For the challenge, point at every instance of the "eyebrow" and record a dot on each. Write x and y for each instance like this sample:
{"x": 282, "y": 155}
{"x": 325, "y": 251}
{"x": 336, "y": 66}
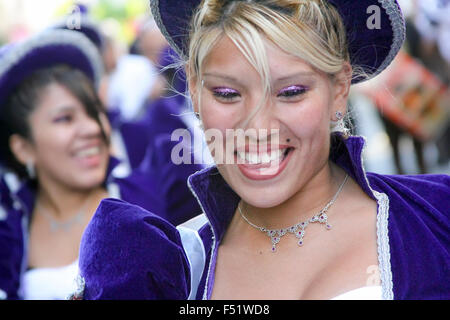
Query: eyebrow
{"x": 306, "y": 74}
{"x": 221, "y": 76}
{"x": 63, "y": 108}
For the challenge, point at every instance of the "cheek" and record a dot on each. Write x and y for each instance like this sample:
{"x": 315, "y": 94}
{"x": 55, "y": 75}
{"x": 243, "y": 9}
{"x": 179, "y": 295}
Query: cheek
{"x": 308, "y": 120}
{"x": 220, "y": 117}
{"x": 52, "y": 144}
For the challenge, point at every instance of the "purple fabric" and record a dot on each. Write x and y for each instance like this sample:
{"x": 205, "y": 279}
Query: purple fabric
{"x": 368, "y": 48}
{"x": 149, "y": 147}
{"x": 418, "y": 222}
{"x": 419, "y": 230}
{"x": 158, "y": 186}
{"x": 10, "y": 254}
{"x": 418, "y": 233}
{"x": 418, "y": 226}
{"x": 39, "y": 58}
{"x": 129, "y": 253}
{"x": 90, "y": 31}
{"x": 152, "y": 264}
{"x": 134, "y": 135}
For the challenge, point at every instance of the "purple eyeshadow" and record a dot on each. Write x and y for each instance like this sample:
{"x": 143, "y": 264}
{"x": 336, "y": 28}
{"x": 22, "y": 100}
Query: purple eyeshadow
{"x": 225, "y": 91}
{"x": 295, "y": 88}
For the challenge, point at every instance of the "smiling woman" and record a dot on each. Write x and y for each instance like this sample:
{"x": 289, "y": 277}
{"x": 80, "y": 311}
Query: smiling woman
{"x": 54, "y": 135}
{"x": 56, "y": 165}
{"x": 48, "y": 114}
{"x": 301, "y": 219}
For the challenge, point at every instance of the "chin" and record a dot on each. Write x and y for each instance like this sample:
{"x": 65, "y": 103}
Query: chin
{"x": 266, "y": 198}
{"x": 89, "y": 180}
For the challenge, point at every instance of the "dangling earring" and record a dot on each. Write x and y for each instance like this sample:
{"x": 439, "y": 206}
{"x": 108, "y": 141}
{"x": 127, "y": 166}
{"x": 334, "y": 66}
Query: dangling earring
{"x": 339, "y": 125}
{"x": 30, "y": 170}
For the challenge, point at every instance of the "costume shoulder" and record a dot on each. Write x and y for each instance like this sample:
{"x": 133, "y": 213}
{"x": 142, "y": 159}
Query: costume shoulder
{"x": 424, "y": 196}
{"x": 418, "y": 228}
{"x": 127, "y": 252}
{"x": 11, "y": 245}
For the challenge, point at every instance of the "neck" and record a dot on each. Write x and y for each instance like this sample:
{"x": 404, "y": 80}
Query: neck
{"x": 65, "y": 202}
{"x": 304, "y": 204}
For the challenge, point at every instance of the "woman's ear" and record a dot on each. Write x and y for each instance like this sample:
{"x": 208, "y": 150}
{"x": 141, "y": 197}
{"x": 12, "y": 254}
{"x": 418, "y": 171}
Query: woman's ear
{"x": 22, "y": 149}
{"x": 342, "y": 82}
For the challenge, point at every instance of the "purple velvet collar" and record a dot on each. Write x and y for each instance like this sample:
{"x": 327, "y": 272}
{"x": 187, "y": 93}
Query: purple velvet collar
{"x": 219, "y": 201}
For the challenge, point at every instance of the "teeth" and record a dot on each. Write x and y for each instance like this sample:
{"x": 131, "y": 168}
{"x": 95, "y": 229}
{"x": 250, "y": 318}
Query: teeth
{"x": 89, "y": 152}
{"x": 264, "y": 158}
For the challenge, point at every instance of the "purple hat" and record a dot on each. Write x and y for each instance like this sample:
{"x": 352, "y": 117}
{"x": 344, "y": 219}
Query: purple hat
{"x": 80, "y": 21}
{"x": 375, "y": 29}
{"x": 46, "y": 49}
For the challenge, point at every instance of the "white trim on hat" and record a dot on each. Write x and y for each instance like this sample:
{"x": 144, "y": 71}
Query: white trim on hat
{"x": 51, "y": 38}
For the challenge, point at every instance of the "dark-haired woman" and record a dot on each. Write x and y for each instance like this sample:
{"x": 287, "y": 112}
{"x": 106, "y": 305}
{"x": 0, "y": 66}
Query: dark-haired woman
{"x": 56, "y": 163}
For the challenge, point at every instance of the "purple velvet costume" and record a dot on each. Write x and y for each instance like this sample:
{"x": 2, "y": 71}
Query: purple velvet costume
{"x": 130, "y": 253}
{"x": 158, "y": 186}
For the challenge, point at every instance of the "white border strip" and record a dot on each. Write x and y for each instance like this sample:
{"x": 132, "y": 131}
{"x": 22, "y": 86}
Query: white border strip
{"x": 54, "y": 38}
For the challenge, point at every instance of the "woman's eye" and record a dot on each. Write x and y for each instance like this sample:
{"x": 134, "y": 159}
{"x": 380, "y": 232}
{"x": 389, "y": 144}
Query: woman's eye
{"x": 63, "y": 118}
{"x": 225, "y": 94}
{"x": 292, "y": 91}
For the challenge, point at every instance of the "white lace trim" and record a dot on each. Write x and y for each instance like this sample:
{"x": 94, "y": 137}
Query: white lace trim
{"x": 154, "y": 7}
{"x": 384, "y": 255}
{"x": 55, "y": 37}
{"x": 213, "y": 245}
{"x": 383, "y": 245}
{"x": 398, "y": 29}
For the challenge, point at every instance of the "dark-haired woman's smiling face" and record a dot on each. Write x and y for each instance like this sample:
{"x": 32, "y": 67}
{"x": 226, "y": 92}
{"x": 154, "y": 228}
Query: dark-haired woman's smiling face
{"x": 68, "y": 146}
{"x": 294, "y": 117}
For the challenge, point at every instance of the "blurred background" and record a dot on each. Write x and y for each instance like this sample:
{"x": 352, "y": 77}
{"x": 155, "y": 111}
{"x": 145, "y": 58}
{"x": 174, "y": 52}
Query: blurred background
{"x": 403, "y": 114}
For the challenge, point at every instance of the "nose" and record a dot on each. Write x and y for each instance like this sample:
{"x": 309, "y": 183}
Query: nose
{"x": 89, "y": 127}
{"x": 262, "y": 121}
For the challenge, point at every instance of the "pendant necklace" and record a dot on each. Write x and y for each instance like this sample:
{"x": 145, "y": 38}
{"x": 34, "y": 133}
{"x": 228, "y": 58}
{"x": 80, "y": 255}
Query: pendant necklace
{"x": 297, "y": 229}
{"x": 66, "y": 225}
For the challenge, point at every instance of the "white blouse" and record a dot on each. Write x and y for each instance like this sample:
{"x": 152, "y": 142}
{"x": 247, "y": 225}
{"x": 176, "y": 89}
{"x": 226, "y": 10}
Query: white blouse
{"x": 50, "y": 283}
{"x": 364, "y": 293}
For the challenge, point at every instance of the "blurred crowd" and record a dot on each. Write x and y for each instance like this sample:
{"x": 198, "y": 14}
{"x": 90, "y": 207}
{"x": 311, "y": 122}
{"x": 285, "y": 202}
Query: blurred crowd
{"x": 412, "y": 98}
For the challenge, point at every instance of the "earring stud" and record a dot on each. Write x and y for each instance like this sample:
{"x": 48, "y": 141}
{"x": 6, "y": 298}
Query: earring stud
{"x": 339, "y": 115}
{"x": 30, "y": 170}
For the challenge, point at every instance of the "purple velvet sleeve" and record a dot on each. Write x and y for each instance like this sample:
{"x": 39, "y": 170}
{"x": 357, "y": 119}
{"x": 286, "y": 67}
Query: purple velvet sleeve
{"x": 128, "y": 253}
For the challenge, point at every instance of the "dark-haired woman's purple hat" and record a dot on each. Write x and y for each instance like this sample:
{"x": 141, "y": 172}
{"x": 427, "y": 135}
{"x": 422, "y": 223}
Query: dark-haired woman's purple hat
{"x": 44, "y": 50}
{"x": 375, "y": 29}
{"x": 79, "y": 20}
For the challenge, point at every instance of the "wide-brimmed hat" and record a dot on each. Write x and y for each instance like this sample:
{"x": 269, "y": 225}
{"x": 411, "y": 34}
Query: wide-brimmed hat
{"x": 375, "y": 29}
{"x": 44, "y": 50}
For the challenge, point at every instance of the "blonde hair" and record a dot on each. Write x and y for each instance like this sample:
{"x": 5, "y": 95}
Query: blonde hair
{"x": 309, "y": 29}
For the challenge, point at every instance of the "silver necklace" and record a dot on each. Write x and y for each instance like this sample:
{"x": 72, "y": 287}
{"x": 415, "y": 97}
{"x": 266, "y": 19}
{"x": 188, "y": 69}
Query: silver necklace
{"x": 297, "y": 229}
{"x": 56, "y": 225}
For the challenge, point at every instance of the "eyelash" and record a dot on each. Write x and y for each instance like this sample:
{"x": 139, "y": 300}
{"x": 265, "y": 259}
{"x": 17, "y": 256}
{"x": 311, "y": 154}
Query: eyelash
{"x": 292, "y": 91}
{"x": 66, "y": 118}
{"x": 225, "y": 93}
{"x": 228, "y": 95}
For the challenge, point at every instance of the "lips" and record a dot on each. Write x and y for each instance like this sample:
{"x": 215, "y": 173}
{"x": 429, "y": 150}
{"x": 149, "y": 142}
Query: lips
{"x": 263, "y": 165}
{"x": 88, "y": 152}
{"x": 89, "y": 156}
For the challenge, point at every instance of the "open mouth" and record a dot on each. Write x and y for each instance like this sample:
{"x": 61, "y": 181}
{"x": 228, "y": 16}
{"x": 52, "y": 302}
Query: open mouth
{"x": 89, "y": 157}
{"x": 263, "y": 159}
{"x": 263, "y": 165}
